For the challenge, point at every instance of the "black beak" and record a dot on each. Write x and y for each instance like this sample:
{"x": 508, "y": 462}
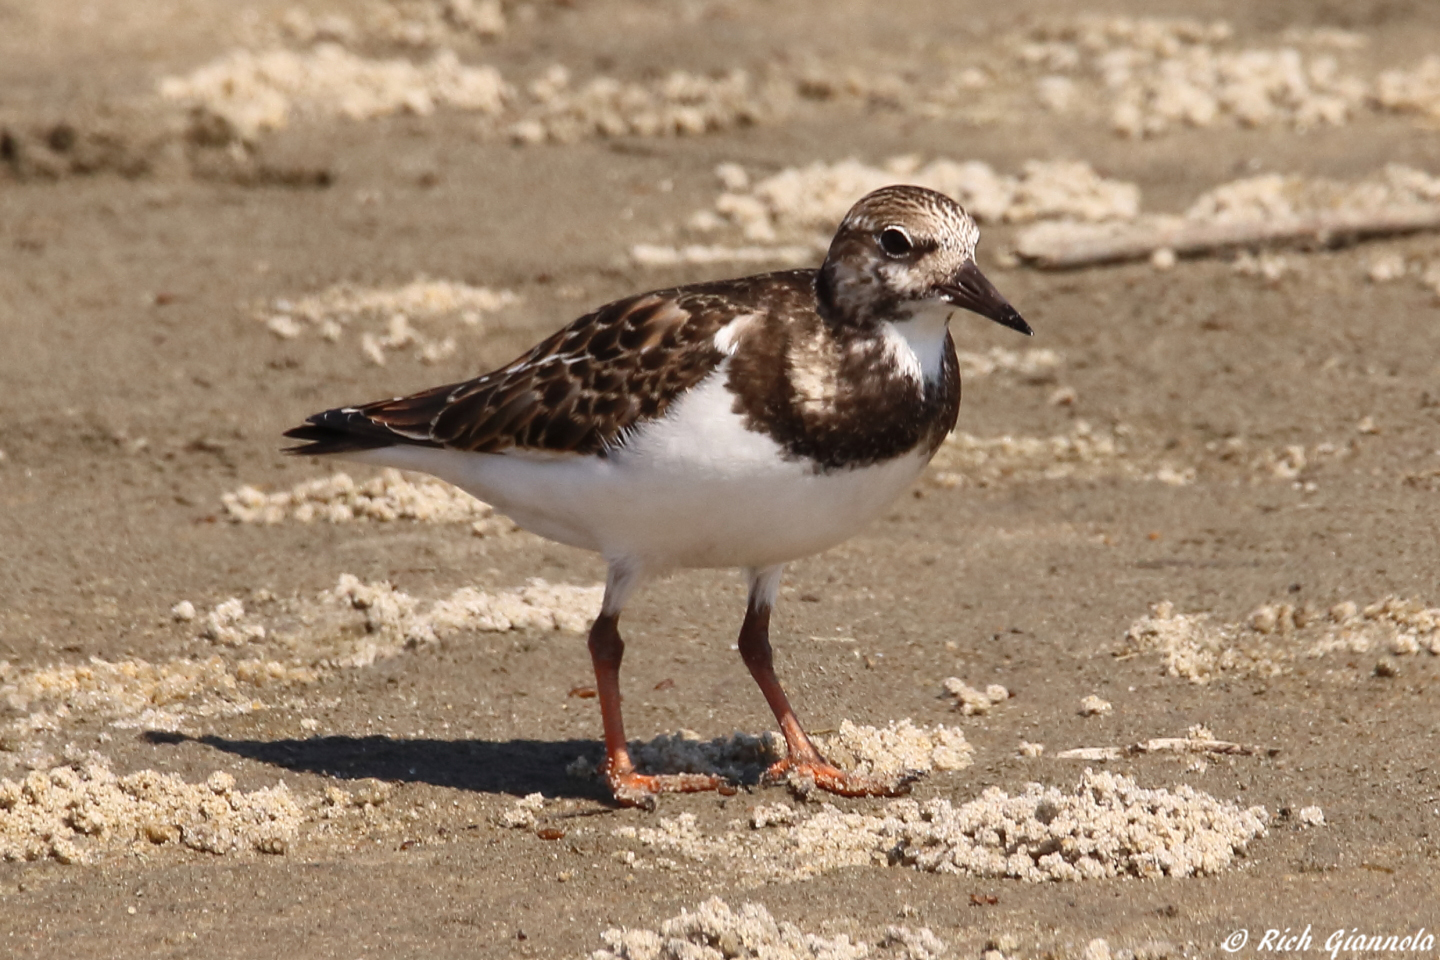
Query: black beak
{"x": 969, "y": 289}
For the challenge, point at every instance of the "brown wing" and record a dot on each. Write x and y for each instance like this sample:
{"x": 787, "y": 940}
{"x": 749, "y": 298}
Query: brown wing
{"x": 577, "y": 391}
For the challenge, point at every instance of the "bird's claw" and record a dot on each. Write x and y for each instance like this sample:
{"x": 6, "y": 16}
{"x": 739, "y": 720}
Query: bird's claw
{"x": 633, "y": 789}
{"x": 806, "y": 775}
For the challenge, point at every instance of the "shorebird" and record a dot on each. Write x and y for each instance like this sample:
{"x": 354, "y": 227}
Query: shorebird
{"x": 739, "y": 423}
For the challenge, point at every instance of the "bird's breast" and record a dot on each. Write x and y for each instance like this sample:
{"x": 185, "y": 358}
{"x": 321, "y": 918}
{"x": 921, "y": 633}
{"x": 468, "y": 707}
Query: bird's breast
{"x": 845, "y": 399}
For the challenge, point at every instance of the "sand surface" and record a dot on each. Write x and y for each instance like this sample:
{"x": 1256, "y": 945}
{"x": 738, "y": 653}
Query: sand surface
{"x": 1162, "y": 622}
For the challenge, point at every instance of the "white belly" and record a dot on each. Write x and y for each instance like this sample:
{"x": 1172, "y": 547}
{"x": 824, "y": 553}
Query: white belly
{"x": 694, "y": 489}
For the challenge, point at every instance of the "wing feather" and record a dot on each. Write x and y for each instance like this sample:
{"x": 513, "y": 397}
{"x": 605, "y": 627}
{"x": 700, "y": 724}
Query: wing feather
{"x": 581, "y": 390}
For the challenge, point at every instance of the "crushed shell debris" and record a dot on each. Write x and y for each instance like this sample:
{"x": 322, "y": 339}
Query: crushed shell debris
{"x": 254, "y": 92}
{"x": 713, "y": 931}
{"x": 1277, "y": 637}
{"x": 972, "y": 702}
{"x": 1253, "y": 211}
{"x": 74, "y": 813}
{"x": 1107, "y": 826}
{"x": 294, "y": 642}
{"x": 81, "y": 812}
{"x": 393, "y": 318}
{"x": 385, "y": 498}
{"x": 1144, "y": 76}
{"x": 884, "y": 752}
{"x": 1154, "y": 75}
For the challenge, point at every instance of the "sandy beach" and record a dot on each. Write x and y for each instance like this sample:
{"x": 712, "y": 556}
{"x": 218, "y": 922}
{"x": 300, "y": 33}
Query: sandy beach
{"x": 1160, "y": 624}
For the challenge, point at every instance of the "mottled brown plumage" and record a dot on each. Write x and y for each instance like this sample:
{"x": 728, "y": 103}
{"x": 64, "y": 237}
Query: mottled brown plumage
{"x": 577, "y": 391}
{"x": 863, "y": 416}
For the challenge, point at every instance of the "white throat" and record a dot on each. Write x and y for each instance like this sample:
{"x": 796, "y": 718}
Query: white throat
{"x": 917, "y": 342}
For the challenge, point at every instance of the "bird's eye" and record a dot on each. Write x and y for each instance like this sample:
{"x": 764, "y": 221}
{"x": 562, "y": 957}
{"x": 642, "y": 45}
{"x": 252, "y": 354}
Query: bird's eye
{"x": 895, "y": 242}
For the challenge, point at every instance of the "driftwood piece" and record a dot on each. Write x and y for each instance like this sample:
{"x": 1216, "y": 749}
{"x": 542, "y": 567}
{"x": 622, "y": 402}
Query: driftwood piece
{"x": 1168, "y": 745}
{"x": 1059, "y": 246}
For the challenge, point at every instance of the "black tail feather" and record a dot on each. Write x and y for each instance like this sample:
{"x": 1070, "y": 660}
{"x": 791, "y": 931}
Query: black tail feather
{"x": 346, "y": 430}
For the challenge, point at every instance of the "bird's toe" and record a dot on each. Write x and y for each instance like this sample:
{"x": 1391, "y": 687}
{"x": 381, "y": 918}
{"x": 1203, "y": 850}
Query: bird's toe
{"x": 805, "y": 776}
{"x": 641, "y": 789}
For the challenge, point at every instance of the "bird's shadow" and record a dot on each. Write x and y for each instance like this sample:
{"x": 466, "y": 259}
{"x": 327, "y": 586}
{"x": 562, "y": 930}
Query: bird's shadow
{"x": 516, "y": 767}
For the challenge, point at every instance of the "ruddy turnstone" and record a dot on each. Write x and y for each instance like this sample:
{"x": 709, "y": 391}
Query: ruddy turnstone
{"x": 740, "y": 423}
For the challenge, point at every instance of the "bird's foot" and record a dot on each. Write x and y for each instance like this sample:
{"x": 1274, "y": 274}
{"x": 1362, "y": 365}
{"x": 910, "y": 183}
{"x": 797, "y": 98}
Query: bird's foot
{"x": 633, "y": 789}
{"x": 804, "y": 776}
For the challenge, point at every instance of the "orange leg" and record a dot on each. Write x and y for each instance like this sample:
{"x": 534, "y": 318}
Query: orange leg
{"x": 803, "y": 767}
{"x": 629, "y": 787}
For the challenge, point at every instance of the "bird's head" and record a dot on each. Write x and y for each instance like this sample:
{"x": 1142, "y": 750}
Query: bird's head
{"x": 905, "y": 248}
